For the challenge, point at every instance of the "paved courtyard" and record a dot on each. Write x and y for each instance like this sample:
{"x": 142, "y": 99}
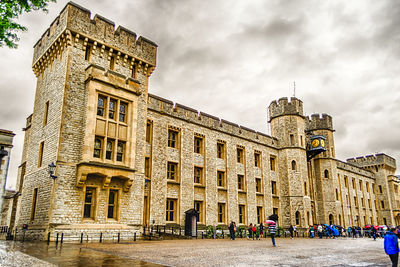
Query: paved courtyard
{"x": 241, "y": 252}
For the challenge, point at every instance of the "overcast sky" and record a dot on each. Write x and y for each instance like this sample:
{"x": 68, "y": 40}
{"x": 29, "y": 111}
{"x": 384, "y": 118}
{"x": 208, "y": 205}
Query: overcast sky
{"x": 232, "y": 58}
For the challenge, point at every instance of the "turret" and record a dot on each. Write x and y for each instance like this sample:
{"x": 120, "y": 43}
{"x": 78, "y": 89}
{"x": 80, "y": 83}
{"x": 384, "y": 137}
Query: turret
{"x": 322, "y": 125}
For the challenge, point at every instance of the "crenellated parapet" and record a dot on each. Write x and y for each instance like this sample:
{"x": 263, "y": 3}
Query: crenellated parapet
{"x": 284, "y": 107}
{"x": 354, "y": 169}
{"x": 373, "y": 160}
{"x": 319, "y": 122}
{"x": 191, "y": 115}
{"x": 74, "y": 27}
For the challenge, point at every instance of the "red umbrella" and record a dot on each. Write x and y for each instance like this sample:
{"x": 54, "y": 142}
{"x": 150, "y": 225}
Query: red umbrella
{"x": 270, "y": 222}
{"x": 367, "y": 226}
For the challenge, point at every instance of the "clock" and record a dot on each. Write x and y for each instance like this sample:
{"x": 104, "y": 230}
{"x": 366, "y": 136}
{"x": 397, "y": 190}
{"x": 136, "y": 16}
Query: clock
{"x": 315, "y": 143}
{"x": 322, "y": 143}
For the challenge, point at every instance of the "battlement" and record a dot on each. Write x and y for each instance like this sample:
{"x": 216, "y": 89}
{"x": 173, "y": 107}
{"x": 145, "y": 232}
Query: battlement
{"x": 373, "y": 160}
{"x": 74, "y": 22}
{"x": 194, "y": 116}
{"x": 354, "y": 169}
{"x": 319, "y": 122}
{"x": 284, "y": 107}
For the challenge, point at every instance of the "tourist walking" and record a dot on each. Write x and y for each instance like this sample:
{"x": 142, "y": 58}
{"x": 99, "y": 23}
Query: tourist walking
{"x": 261, "y": 228}
{"x": 373, "y": 230}
{"x": 232, "y": 230}
{"x": 291, "y": 230}
{"x": 391, "y": 245}
{"x": 250, "y": 230}
{"x": 272, "y": 231}
{"x": 295, "y": 231}
{"x": 320, "y": 230}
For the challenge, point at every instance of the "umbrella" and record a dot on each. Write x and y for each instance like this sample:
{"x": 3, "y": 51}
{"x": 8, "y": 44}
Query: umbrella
{"x": 367, "y": 226}
{"x": 270, "y": 222}
{"x": 376, "y": 227}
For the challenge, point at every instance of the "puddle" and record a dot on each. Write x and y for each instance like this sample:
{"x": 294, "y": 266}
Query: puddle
{"x": 73, "y": 255}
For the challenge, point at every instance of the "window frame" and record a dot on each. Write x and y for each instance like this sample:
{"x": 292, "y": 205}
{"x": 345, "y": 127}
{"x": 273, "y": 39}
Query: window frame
{"x": 172, "y": 175}
{"x": 113, "y": 205}
{"x": 223, "y": 179}
{"x": 92, "y": 212}
{"x": 173, "y": 211}
{"x": 200, "y": 178}
{"x": 173, "y": 138}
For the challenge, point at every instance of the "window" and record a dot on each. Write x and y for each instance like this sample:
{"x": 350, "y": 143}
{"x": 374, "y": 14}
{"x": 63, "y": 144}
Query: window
{"x": 346, "y": 181}
{"x": 362, "y": 202}
{"x": 257, "y": 159}
{"x": 301, "y": 140}
{"x": 89, "y": 205}
{"x": 259, "y": 215}
{"x": 240, "y": 182}
{"x": 88, "y": 52}
{"x": 171, "y": 210}
{"x": 122, "y": 111}
{"x": 198, "y": 145}
{"x": 258, "y": 185}
{"x": 337, "y": 194}
{"x": 384, "y": 221}
{"x": 112, "y": 63}
{"x": 273, "y": 187}
{"x": 272, "y": 163}
{"x": 109, "y": 149}
{"x": 369, "y": 203}
{"x": 383, "y": 204}
{"x": 149, "y": 128}
{"x": 242, "y": 214}
{"x": 111, "y": 108}
{"x": 292, "y": 140}
{"x": 221, "y": 150}
{"x": 326, "y": 174}
{"x": 120, "y": 151}
{"x": 367, "y": 186}
{"x": 147, "y": 167}
{"x": 221, "y": 212}
{"x": 98, "y": 143}
{"x": 373, "y": 188}
{"x": 112, "y": 204}
{"x": 380, "y": 189}
{"x": 355, "y": 201}
{"x": 40, "y": 158}
{"x": 239, "y": 153}
{"x": 46, "y": 112}
{"x": 361, "y": 185}
{"x": 101, "y": 103}
{"x": 34, "y": 202}
{"x": 305, "y": 188}
{"x": 221, "y": 178}
{"x": 353, "y": 181}
{"x": 198, "y": 175}
{"x": 293, "y": 165}
{"x": 173, "y": 138}
{"x": 298, "y": 219}
{"x": 133, "y": 73}
{"x": 275, "y": 211}
{"x": 172, "y": 172}
{"x": 198, "y": 206}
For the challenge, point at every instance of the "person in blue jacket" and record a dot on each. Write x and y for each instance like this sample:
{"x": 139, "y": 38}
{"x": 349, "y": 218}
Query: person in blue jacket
{"x": 391, "y": 245}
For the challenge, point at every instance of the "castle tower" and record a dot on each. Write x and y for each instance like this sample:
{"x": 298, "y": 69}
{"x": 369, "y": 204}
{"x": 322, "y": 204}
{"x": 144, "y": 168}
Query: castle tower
{"x": 89, "y": 118}
{"x": 288, "y": 126}
{"x": 384, "y": 167}
{"x": 326, "y": 188}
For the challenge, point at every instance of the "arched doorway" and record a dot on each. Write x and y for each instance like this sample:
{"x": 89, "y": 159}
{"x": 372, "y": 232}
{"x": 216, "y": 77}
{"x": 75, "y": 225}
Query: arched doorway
{"x": 331, "y": 221}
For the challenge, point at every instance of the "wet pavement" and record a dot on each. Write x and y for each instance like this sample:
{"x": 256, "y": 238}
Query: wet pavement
{"x": 241, "y": 252}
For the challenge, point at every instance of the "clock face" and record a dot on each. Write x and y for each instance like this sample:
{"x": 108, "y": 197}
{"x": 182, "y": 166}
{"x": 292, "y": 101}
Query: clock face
{"x": 315, "y": 142}
{"x": 322, "y": 143}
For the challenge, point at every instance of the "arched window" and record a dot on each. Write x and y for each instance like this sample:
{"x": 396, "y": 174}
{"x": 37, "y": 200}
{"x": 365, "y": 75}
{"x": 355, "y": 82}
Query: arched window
{"x": 331, "y": 219}
{"x": 326, "y": 174}
{"x": 293, "y": 165}
{"x": 298, "y": 218}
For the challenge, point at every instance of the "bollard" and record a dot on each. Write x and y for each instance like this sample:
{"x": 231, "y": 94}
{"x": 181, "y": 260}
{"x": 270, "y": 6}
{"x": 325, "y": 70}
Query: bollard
{"x": 101, "y": 236}
{"x": 118, "y": 237}
{"x": 134, "y": 236}
{"x": 48, "y": 238}
{"x": 62, "y": 237}
{"x": 57, "y": 240}
{"x": 81, "y": 237}
{"x": 158, "y": 230}
{"x": 223, "y": 234}
{"x": 202, "y": 235}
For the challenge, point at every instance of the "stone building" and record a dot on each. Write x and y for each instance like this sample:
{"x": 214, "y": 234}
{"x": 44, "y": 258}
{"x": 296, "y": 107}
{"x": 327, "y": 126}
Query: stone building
{"x": 6, "y": 144}
{"x": 127, "y": 159}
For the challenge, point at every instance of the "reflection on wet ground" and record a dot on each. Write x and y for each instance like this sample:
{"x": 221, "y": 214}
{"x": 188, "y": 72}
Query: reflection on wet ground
{"x": 73, "y": 255}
